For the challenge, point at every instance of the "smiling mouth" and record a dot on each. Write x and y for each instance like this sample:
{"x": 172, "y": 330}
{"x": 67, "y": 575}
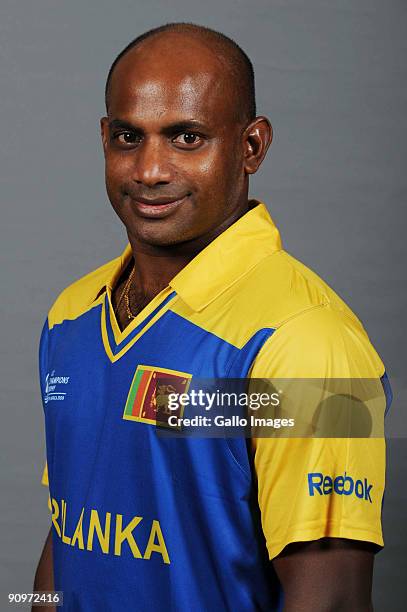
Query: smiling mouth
{"x": 158, "y": 208}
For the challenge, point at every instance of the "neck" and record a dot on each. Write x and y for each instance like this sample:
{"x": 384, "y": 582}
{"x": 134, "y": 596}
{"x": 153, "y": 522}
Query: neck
{"x": 154, "y": 272}
{"x": 155, "y": 266}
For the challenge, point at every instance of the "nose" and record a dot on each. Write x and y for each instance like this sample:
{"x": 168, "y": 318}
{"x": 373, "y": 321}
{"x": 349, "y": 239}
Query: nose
{"x": 151, "y": 165}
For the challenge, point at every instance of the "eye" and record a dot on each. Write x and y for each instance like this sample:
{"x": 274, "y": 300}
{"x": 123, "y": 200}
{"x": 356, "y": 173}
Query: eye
{"x": 188, "y": 139}
{"x": 125, "y": 138}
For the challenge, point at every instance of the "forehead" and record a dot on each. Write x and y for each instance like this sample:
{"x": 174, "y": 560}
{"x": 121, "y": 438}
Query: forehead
{"x": 174, "y": 77}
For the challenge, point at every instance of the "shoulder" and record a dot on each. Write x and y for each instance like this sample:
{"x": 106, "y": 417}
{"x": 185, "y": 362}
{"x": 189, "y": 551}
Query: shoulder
{"x": 78, "y": 297}
{"x": 315, "y": 331}
{"x": 284, "y": 288}
{"x": 322, "y": 342}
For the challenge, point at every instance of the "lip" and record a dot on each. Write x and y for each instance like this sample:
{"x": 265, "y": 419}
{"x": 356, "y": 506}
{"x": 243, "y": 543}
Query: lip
{"x": 159, "y": 208}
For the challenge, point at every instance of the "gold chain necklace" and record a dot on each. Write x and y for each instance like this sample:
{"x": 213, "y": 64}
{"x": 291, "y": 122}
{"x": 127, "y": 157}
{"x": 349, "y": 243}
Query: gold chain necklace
{"x": 125, "y": 295}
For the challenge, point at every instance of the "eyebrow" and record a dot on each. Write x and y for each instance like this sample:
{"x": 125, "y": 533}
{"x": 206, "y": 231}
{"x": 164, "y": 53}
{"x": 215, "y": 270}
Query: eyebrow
{"x": 168, "y": 130}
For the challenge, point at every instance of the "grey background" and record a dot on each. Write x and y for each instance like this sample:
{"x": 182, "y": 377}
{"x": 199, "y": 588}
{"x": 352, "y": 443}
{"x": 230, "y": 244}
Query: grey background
{"x": 332, "y": 78}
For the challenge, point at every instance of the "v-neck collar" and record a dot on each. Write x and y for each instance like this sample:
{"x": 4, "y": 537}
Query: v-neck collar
{"x": 117, "y": 342}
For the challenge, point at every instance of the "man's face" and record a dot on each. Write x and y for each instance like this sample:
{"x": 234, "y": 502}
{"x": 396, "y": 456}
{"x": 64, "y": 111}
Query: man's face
{"x": 173, "y": 147}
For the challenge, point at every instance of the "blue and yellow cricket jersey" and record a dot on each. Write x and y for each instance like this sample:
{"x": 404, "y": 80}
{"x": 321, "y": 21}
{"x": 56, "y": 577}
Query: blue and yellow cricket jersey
{"x": 146, "y": 522}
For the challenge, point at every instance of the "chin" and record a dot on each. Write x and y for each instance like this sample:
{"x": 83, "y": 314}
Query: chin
{"x": 166, "y": 232}
{"x": 159, "y": 237}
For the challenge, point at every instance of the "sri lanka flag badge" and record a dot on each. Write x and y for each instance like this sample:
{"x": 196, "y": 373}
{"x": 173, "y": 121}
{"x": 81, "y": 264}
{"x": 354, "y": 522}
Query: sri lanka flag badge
{"x": 147, "y": 400}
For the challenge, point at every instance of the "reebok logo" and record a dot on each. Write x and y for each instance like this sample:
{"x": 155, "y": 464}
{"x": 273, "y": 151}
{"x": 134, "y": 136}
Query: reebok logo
{"x": 339, "y": 485}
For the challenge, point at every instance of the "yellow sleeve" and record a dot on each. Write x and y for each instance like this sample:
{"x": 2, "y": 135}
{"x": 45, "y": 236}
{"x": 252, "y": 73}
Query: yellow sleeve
{"x": 312, "y": 487}
{"x": 44, "y": 479}
{"x": 45, "y": 482}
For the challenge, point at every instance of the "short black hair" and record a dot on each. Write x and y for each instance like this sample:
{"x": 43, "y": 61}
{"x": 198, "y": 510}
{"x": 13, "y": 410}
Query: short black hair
{"x": 240, "y": 64}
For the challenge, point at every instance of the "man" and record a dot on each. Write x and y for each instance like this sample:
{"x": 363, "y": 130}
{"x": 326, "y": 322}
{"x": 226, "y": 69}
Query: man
{"x": 203, "y": 290}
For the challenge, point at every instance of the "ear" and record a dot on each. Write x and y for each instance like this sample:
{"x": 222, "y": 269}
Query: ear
{"x": 257, "y": 139}
{"x": 104, "y": 132}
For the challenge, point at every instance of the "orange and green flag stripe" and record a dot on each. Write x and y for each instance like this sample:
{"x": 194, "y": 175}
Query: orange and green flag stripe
{"x": 137, "y": 392}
